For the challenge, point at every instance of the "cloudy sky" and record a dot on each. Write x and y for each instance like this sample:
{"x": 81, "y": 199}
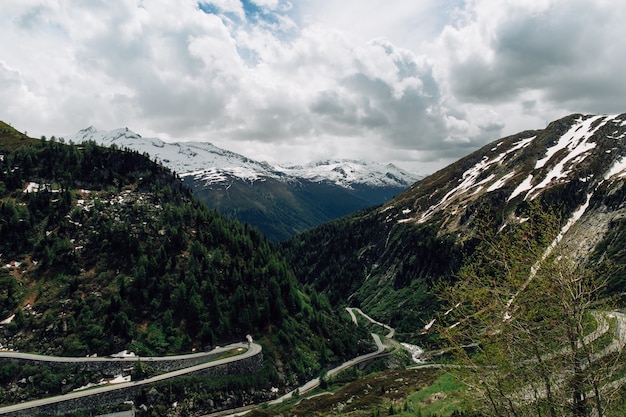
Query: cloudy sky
{"x": 417, "y": 82}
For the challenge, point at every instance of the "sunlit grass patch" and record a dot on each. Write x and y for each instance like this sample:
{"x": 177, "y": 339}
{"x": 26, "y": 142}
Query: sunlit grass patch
{"x": 441, "y": 397}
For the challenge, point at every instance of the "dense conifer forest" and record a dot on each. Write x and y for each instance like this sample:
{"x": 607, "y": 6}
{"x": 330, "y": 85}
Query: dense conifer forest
{"x": 364, "y": 245}
{"x": 104, "y": 250}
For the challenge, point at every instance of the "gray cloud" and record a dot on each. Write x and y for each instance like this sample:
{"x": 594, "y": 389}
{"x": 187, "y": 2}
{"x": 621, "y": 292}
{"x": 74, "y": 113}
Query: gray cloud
{"x": 418, "y": 81}
{"x": 407, "y": 116}
{"x": 568, "y": 50}
{"x": 10, "y": 81}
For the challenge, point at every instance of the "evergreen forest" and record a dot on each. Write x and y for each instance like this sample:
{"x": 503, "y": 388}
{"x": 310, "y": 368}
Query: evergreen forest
{"x": 104, "y": 250}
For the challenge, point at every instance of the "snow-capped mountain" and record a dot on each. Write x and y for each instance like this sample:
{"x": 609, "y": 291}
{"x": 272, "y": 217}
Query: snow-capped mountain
{"x": 213, "y": 165}
{"x": 184, "y": 158}
{"x": 581, "y": 153}
{"x": 346, "y": 173}
{"x": 279, "y": 200}
{"x": 575, "y": 168}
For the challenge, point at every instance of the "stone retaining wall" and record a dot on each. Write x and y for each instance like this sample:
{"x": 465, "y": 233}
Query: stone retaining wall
{"x": 245, "y": 366}
{"x": 112, "y": 367}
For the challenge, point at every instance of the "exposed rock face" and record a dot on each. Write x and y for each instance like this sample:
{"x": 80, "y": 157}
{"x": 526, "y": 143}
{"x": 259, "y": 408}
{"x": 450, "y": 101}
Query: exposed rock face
{"x": 389, "y": 258}
{"x": 573, "y": 160}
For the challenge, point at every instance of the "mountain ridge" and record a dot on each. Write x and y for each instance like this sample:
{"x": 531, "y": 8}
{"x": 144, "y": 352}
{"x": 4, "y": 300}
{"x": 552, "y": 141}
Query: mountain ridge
{"x": 523, "y": 167}
{"x": 280, "y": 201}
{"x": 195, "y": 158}
{"x": 104, "y": 250}
{"x": 392, "y": 258}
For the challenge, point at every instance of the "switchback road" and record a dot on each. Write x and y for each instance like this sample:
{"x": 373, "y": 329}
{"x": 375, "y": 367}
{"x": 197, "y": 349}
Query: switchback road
{"x": 314, "y": 383}
{"x": 247, "y": 351}
{"x": 380, "y": 349}
{"x": 351, "y": 310}
{"x": 127, "y": 358}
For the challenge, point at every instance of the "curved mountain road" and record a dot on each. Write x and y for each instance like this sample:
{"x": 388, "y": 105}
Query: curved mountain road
{"x": 314, "y": 383}
{"x": 380, "y": 350}
{"x": 250, "y": 350}
{"x": 351, "y": 310}
{"x": 101, "y": 359}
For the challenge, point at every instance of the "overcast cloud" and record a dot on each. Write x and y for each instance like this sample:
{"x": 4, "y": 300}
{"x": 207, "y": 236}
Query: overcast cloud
{"x": 419, "y": 83}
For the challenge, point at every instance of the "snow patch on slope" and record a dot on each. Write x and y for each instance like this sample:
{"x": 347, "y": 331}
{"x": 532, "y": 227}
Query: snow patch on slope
{"x": 575, "y": 143}
{"x": 619, "y": 167}
{"x": 469, "y": 179}
{"x": 501, "y": 182}
{"x": 535, "y": 268}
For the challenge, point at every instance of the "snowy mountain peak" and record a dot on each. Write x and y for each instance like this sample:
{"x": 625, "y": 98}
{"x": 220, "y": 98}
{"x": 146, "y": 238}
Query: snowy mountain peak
{"x": 350, "y": 172}
{"x": 210, "y": 164}
{"x": 104, "y": 137}
{"x": 182, "y": 157}
{"x": 578, "y": 154}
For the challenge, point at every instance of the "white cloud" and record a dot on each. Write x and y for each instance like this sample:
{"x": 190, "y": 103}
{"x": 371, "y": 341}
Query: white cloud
{"x": 271, "y": 4}
{"x": 562, "y": 48}
{"x": 423, "y": 81}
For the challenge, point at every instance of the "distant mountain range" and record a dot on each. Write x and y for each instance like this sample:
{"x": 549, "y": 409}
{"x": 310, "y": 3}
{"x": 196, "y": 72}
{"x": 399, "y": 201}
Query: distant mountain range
{"x": 280, "y": 200}
{"x": 101, "y": 246}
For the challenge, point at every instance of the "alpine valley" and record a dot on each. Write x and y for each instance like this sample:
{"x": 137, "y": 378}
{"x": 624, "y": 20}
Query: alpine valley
{"x": 105, "y": 250}
{"x": 280, "y": 201}
{"x": 391, "y": 258}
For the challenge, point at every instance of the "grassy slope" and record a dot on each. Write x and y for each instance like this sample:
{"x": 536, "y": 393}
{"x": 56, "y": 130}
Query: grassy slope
{"x": 410, "y": 392}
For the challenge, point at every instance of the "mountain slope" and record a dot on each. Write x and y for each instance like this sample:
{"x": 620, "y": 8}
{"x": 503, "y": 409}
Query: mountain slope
{"x": 280, "y": 201}
{"x": 180, "y": 157}
{"x": 102, "y": 250}
{"x": 391, "y": 258}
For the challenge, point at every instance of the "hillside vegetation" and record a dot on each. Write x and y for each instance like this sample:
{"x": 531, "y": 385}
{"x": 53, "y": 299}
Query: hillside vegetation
{"x": 391, "y": 259}
{"x": 505, "y": 255}
{"x": 103, "y": 250}
{"x": 282, "y": 209}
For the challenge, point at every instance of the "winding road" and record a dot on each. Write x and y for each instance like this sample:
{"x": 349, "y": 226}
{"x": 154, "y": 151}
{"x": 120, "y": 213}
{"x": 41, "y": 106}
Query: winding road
{"x": 314, "y": 383}
{"x": 248, "y": 350}
{"x": 380, "y": 351}
{"x": 109, "y": 359}
{"x": 351, "y": 310}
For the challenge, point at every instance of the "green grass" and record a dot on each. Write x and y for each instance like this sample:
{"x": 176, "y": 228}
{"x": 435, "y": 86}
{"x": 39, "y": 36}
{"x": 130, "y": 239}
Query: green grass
{"x": 442, "y": 397}
{"x": 229, "y": 354}
{"x": 11, "y": 139}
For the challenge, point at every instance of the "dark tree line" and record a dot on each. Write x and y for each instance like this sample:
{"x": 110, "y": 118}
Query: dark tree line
{"x": 118, "y": 254}
{"x": 352, "y": 259}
